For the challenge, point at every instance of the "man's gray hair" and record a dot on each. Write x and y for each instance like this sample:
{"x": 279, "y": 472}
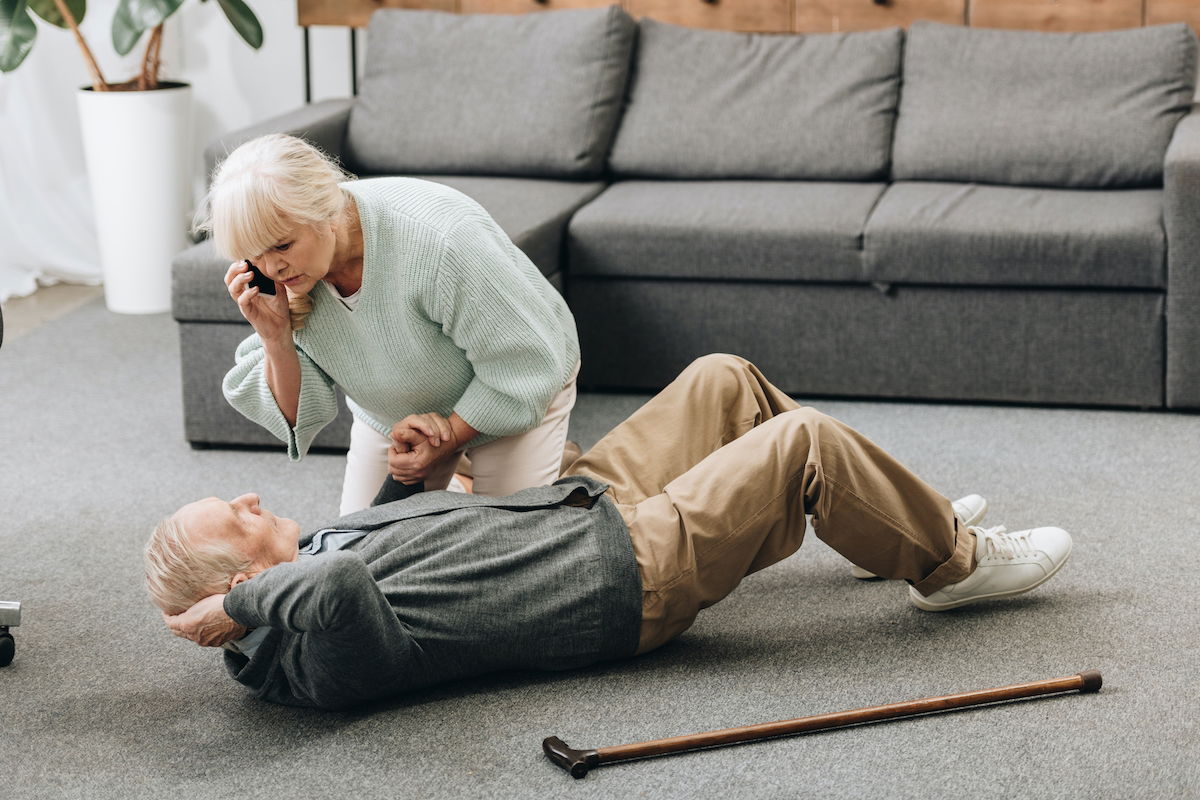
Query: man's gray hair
{"x": 181, "y": 572}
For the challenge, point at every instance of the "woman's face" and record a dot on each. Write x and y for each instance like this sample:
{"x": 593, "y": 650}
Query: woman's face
{"x": 301, "y": 258}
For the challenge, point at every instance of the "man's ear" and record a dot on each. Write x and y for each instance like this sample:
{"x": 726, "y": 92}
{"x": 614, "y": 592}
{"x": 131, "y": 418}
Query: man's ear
{"x": 239, "y": 577}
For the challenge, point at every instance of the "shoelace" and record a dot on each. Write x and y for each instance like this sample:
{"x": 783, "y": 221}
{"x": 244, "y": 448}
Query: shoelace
{"x": 999, "y": 543}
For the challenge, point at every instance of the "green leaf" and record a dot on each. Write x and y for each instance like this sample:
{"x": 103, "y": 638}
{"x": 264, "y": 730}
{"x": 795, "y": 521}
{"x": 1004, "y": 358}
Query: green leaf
{"x": 48, "y": 10}
{"x": 243, "y": 21}
{"x": 125, "y": 30}
{"x": 17, "y": 33}
{"x": 147, "y": 14}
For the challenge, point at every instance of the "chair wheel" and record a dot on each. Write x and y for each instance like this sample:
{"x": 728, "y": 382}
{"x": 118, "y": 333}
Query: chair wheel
{"x": 8, "y": 648}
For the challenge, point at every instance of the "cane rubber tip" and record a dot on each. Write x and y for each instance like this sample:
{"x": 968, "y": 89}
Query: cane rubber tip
{"x": 1091, "y": 680}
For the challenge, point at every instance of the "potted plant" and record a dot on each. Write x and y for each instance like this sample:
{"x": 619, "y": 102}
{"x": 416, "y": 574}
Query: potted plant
{"x": 136, "y": 140}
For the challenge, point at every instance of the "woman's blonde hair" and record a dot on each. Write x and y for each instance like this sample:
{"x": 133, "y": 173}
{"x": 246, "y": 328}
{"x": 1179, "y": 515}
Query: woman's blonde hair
{"x": 265, "y": 189}
{"x": 181, "y": 572}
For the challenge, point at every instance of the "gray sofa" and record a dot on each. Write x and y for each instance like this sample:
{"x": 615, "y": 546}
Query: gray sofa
{"x": 944, "y": 213}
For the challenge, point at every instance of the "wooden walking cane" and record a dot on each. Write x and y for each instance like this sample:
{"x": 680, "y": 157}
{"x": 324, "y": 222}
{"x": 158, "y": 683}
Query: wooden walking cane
{"x": 578, "y": 762}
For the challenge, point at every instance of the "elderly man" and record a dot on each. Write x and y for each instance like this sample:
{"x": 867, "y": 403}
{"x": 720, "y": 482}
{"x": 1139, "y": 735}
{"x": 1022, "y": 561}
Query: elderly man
{"x": 708, "y": 482}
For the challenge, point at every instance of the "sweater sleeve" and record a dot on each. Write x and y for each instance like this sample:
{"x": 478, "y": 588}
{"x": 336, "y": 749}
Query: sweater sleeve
{"x": 246, "y": 389}
{"x": 497, "y": 313}
{"x": 353, "y": 647}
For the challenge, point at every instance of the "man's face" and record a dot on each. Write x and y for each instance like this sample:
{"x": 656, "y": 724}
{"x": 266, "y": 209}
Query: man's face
{"x": 261, "y": 536}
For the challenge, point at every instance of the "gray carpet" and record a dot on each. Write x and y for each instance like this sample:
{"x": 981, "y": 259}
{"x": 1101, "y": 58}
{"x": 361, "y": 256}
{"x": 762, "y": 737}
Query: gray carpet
{"x": 103, "y": 703}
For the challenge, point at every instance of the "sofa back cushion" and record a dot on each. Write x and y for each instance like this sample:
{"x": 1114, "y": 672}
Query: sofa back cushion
{"x": 1084, "y": 110}
{"x": 713, "y": 104}
{"x": 533, "y": 95}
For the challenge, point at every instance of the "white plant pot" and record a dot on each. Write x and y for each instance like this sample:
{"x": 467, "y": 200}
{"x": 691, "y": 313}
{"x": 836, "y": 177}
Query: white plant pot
{"x": 138, "y": 151}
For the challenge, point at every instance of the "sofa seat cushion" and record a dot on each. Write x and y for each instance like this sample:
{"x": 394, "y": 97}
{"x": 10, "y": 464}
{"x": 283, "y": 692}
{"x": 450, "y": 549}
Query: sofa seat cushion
{"x": 490, "y": 94}
{"x": 967, "y": 234}
{"x": 1042, "y": 109}
{"x": 532, "y": 212}
{"x": 725, "y": 230}
{"x": 715, "y": 104}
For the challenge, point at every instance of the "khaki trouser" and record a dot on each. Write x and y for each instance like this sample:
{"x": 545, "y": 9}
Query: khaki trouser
{"x": 715, "y": 474}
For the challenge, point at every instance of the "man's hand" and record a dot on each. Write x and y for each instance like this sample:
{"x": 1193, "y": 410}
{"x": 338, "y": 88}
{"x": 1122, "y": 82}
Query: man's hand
{"x": 206, "y": 623}
{"x": 419, "y": 441}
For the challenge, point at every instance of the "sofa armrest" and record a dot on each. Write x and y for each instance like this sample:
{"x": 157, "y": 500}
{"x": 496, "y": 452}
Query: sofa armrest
{"x": 1181, "y": 217}
{"x": 323, "y": 124}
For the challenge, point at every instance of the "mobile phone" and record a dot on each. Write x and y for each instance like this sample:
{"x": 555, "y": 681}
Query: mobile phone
{"x": 264, "y": 284}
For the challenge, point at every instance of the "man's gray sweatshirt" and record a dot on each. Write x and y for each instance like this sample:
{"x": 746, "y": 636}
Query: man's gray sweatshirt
{"x": 446, "y": 585}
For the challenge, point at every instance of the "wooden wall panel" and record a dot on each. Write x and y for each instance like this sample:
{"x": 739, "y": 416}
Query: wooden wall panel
{"x": 778, "y": 16}
{"x": 771, "y": 16}
{"x": 863, "y": 15}
{"x": 1056, "y": 15}
{"x": 1159, "y": 12}
{"x": 814, "y": 16}
{"x": 356, "y": 13}
{"x": 525, "y": 6}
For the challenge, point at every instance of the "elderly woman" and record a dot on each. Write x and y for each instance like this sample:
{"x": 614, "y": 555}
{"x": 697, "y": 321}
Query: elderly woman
{"x": 409, "y": 297}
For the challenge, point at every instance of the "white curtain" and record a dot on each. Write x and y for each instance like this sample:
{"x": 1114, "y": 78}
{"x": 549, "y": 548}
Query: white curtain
{"x": 47, "y": 233}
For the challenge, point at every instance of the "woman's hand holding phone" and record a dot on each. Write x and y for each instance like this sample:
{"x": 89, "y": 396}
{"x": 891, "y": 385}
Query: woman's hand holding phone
{"x": 266, "y": 310}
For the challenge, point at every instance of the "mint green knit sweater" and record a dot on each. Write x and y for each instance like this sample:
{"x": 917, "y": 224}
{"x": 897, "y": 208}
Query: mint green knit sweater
{"x": 451, "y": 316}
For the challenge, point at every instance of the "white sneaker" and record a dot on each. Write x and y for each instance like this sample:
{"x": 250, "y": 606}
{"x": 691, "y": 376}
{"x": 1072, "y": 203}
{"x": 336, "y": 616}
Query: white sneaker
{"x": 969, "y": 509}
{"x": 1008, "y": 564}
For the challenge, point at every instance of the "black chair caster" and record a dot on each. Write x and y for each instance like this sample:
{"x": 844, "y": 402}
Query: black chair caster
{"x": 8, "y": 648}
{"x": 10, "y": 617}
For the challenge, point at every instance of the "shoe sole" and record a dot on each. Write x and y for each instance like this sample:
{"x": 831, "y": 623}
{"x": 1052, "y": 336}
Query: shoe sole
{"x": 920, "y": 602}
{"x": 866, "y": 575}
